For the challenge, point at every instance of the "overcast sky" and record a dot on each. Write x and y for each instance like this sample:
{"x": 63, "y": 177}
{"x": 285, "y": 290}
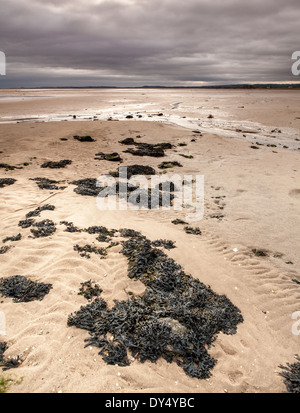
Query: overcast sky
{"x": 147, "y": 42}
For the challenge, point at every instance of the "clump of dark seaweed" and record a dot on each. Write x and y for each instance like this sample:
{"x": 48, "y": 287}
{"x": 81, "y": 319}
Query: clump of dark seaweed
{"x": 147, "y": 198}
{"x": 21, "y": 289}
{"x": 6, "y": 181}
{"x": 39, "y": 209}
{"x": 25, "y": 223}
{"x": 45, "y": 183}
{"x": 178, "y": 221}
{"x": 177, "y": 318}
{"x": 259, "y": 253}
{"x": 90, "y": 289}
{"x": 84, "y": 138}
{"x": 56, "y": 165}
{"x": 100, "y": 230}
{"x": 13, "y": 238}
{"x": 8, "y": 167}
{"x": 167, "y": 165}
{"x": 135, "y": 170}
{"x": 7, "y": 363}
{"x": 127, "y": 141}
{"x": 87, "y": 249}
{"x": 291, "y": 375}
{"x": 87, "y": 186}
{"x": 112, "y": 157}
{"x": 70, "y": 226}
{"x": 128, "y": 233}
{"x": 147, "y": 149}
{"x": 4, "y": 249}
{"x": 45, "y": 228}
{"x": 191, "y": 230}
{"x": 168, "y": 244}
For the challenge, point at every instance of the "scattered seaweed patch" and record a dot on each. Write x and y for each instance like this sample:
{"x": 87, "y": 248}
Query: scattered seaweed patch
{"x": 84, "y": 138}
{"x": 45, "y": 228}
{"x": 13, "y": 238}
{"x": 4, "y": 249}
{"x": 191, "y": 230}
{"x": 291, "y": 375}
{"x": 87, "y": 249}
{"x": 177, "y": 318}
{"x": 38, "y": 210}
{"x": 56, "y": 165}
{"x": 21, "y": 289}
{"x": 6, "y": 181}
{"x": 90, "y": 289}
{"x": 167, "y": 165}
{"x": 45, "y": 183}
{"x": 70, "y": 226}
{"x": 7, "y": 363}
{"x": 112, "y": 157}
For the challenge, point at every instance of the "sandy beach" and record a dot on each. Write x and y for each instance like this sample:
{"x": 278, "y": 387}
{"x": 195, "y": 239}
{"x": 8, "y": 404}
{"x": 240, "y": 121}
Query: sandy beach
{"x": 246, "y": 144}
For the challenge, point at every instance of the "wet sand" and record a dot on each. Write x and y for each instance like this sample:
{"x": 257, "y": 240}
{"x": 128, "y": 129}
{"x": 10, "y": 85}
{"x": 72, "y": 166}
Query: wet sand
{"x": 251, "y": 201}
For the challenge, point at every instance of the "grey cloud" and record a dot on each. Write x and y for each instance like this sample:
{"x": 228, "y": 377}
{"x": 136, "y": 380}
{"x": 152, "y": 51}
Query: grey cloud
{"x": 148, "y": 41}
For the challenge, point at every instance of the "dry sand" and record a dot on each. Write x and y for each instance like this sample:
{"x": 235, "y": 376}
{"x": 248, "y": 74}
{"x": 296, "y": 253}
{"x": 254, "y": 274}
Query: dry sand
{"x": 255, "y": 191}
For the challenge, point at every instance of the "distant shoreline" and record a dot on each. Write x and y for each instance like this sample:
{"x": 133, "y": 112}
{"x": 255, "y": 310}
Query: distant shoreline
{"x": 282, "y": 86}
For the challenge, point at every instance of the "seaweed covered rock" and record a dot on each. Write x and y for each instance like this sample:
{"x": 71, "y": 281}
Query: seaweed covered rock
{"x": 177, "y": 318}
{"x": 86, "y": 138}
{"x": 291, "y": 375}
{"x": 56, "y": 165}
{"x": 127, "y": 141}
{"x": 21, "y": 289}
{"x": 112, "y": 157}
{"x": 168, "y": 165}
{"x": 6, "y": 181}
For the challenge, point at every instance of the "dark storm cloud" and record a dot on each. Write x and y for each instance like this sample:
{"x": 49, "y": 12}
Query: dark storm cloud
{"x": 129, "y": 42}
